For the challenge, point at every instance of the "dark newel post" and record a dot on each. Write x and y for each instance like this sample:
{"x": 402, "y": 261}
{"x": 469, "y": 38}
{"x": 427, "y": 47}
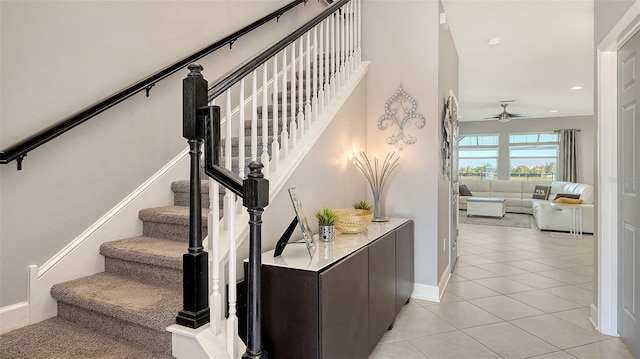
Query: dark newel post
{"x": 255, "y": 198}
{"x": 195, "y": 312}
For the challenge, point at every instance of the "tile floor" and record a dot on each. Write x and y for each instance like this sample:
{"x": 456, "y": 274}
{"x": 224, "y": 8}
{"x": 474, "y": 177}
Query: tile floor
{"x": 515, "y": 293}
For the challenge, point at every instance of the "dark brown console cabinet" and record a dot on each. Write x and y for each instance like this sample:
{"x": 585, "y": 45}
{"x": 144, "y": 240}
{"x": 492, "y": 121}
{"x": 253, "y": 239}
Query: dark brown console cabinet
{"x": 340, "y": 302}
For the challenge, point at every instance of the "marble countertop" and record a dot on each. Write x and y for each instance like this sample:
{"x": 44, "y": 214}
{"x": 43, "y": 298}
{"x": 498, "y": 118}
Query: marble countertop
{"x": 296, "y": 256}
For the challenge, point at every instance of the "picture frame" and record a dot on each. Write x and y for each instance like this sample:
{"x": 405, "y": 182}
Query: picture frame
{"x": 307, "y": 234}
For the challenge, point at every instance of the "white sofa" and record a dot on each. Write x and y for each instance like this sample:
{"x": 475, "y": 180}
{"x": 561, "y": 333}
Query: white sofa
{"x": 519, "y": 195}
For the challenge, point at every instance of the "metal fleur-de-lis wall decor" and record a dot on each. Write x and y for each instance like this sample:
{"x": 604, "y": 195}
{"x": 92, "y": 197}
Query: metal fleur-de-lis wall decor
{"x": 400, "y": 110}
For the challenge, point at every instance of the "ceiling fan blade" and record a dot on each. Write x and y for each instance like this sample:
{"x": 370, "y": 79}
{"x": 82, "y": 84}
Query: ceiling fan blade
{"x": 517, "y": 115}
{"x": 492, "y": 117}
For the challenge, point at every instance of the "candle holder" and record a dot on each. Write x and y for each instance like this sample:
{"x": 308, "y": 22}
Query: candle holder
{"x": 377, "y": 176}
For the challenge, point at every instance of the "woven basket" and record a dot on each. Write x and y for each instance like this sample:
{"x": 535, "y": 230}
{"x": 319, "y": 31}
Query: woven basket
{"x": 353, "y": 220}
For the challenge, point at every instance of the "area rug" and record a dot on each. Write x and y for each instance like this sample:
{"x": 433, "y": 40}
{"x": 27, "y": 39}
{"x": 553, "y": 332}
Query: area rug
{"x": 509, "y": 220}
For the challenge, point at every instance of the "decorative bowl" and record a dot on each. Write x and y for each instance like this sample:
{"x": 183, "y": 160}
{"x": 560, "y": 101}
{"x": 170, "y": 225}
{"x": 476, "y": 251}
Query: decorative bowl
{"x": 352, "y": 220}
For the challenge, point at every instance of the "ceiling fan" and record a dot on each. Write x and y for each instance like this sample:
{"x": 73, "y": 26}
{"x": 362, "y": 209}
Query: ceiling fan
{"x": 505, "y": 116}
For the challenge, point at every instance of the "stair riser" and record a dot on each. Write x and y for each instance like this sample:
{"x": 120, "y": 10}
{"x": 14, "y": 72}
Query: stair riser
{"x": 184, "y": 199}
{"x": 154, "y": 340}
{"x": 166, "y": 277}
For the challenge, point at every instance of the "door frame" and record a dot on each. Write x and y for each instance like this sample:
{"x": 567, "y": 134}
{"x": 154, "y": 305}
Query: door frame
{"x": 605, "y": 315}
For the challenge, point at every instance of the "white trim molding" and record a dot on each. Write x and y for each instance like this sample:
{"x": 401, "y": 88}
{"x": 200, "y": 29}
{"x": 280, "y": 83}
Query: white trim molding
{"x": 430, "y": 292}
{"x": 605, "y": 314}
{"x": 14, "y": 316}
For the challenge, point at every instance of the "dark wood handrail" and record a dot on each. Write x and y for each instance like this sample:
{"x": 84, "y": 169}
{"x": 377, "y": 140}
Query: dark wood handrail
{"x": 232, "y": 77}
{"x": 19, "y": 151}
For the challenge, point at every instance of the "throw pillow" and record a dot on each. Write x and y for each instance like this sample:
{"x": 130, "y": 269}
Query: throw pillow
{"x": 567, "y": 195}
{"x": 541, "y": 192}
{"x": 567, "y": 200}
{"x": 464, "y": 190}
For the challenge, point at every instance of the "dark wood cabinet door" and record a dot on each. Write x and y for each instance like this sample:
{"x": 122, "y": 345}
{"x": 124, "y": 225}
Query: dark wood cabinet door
{"x": 344, "y": 308}
{"x": 404, "y": 264}
{"x": 290, "y": 313}
{"x": 382, "y": 287}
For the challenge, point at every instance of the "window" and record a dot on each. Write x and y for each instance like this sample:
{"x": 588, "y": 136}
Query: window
{"x": 478, "y": 157}
{"x": 533, "y": 156}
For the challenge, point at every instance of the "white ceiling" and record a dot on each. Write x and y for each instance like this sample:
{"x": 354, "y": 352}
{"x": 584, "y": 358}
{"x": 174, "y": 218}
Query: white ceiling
{"x": 546, "y": 47}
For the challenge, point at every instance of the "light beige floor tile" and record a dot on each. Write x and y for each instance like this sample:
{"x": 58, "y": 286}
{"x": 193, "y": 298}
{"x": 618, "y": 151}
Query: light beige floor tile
{"x": 566, "y": 276}
{"x": 501, "y": 269}
{"x": 395, "y": 350}
{"x": 572, "y": 293}
{"x": 503, "y": 257}
{"x": 557, "y": 262}
{"x": 470, "y": 290}
{"x": 505, "y": 307}
{"x": 608, "y": 349}
{"x": 503, "y": 285}
{"x": 463, "y": 314}
{"x": 584, "y": 270}
{"x": 544, "y": 301}
{"x": 556, "y": 331}
{"x": 473, "y": 272}
{"x": 415, "y": 321}
{"x": 579, "y": 317}
{"x": 587, "y": 286}
{"x": 391, "y": 336}
{"x": 452, "y": 345}
{"x": 536, "y": 281}
{"x": 510, "y": 341}
{"x": 475, "y": 259}
{"x": 456, "y": 278}
{"x": 530, "y": 265}
{"x": 556, "y": 355}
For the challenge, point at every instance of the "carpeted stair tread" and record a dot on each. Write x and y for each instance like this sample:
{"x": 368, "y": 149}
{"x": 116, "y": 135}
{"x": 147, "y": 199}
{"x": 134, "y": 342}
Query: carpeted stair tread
{"x": 60, "y": 338}
{"x": 185, "y": 185}
{"x": 147, "y": 250}
{"x": 147, "y": 305}
{"x": 169, "y": 215}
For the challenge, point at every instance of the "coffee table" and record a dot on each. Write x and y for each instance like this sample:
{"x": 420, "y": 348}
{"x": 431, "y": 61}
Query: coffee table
{"x": 486, "y": 206}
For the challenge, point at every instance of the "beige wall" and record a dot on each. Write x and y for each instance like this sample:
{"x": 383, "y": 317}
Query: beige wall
{"x": 447, "y": 80}
{"x": 586, "y": 143}
{"x": 403, "y": 51}
{"x": 606, "y": 15}
{"x": 59, "y": 56}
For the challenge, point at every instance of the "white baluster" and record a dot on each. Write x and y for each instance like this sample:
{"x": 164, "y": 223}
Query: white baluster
{"x": 334, "y": 67}
{"x": 314, "y": 98}
{"x": 321, "y": 70}
{"x": 254, "y": 117}
{"x": 265, "y": 121}
{"x": 293, "y": 128}
{"x": 307, "y": 108}
{"x": 327, "y": 63}
{"x": 285, "y": 133}
{"x": 232, "y": 320}
{"x": 347, "y": 28}
{"x": 343, "y": 48}
{"x": 227, "y": 204}
{"x": 359, "y": 28}
{"x": 213, "y": 226}
{"x": 301, "y": 119}
{"x": 275, "y": 144}
{"x": 241, "y": 125}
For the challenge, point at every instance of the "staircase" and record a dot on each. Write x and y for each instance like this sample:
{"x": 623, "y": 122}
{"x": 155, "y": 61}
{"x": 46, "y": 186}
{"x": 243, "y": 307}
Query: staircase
{"x": 129, "y": 306}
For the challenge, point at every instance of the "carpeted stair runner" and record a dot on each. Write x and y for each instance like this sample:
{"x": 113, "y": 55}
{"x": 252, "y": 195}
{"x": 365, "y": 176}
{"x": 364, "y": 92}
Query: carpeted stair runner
{"x": 124, "y": 311}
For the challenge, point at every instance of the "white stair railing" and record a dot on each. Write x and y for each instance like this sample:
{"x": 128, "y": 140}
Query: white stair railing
{"x": 330, "y": 51}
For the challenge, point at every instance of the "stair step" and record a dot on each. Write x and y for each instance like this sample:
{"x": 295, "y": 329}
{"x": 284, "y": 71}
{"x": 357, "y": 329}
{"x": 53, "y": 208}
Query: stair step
{"x": 60, "y": 338}
{"x": 146, "y": 259}
{"x": 130, "y": 310}
{"x": 169, "y": 222}
{"x": 181, "y": 191}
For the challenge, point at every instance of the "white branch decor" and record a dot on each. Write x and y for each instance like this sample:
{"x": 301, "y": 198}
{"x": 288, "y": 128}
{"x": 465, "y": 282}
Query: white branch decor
{"x": 401, "y": 101}
{"x": 377, "y": 176}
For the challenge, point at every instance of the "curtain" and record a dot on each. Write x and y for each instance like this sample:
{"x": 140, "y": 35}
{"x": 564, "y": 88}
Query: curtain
{"x": 568, "y": 166}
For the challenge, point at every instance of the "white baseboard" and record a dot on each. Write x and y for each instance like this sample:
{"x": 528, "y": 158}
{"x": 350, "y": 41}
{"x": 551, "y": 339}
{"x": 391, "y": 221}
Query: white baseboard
{"x": 593, "y": 315}
{"x": 430, "y": 292}
{"x": 81, "y": 257}
{"x": 14, "y": 316}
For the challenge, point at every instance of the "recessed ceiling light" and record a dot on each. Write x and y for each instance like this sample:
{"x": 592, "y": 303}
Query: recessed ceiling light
{"x": 578, "y": 87}
{"x": 493, "y": 41}
{"x": 553, "y": 111}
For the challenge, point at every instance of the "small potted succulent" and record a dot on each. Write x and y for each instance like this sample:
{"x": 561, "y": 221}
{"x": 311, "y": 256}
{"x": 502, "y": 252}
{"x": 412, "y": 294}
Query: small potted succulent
{"x": 326, "y": 224}
{"x": 362, "y": 205}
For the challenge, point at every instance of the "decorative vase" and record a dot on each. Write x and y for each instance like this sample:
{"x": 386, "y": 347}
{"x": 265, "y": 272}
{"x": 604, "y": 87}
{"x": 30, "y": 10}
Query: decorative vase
{"x": 327, "y": 233}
